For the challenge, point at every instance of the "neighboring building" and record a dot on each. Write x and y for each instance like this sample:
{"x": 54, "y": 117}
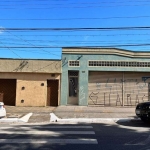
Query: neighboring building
{"x": 30, "y": 82}
{"x": 106, "y": 77}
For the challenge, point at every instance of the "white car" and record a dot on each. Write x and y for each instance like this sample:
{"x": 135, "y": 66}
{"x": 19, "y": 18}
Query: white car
{"x": 2, "y": 110}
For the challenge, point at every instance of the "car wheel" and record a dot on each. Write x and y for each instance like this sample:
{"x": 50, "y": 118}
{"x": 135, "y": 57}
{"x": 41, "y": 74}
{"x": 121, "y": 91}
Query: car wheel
{"x": 144, "y": 119}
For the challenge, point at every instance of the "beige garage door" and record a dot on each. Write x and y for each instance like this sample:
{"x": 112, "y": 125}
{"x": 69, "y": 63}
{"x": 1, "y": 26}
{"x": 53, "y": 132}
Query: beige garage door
{"x": 136, "y": 88}
{"x": 118, "y": 88}
{"x": 105, "y": 88}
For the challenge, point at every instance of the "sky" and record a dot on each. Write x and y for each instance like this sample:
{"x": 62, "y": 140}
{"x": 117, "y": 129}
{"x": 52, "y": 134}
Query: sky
{"x": 45, "y": 15}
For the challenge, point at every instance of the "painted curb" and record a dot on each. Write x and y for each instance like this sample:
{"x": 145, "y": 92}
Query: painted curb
{"x": 8, "y": 120}
{"x": 23, "y": 119}
{"x": 54, "y": 118}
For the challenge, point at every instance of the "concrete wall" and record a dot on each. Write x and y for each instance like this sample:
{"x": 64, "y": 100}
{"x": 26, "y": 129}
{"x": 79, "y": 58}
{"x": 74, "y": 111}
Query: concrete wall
{"x": 41, "y": 66}
{"x": 84, "y": 55}
{"x": 34, "y": 94}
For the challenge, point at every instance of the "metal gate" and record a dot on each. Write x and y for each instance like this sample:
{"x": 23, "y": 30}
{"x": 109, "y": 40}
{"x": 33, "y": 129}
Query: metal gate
{"x": 118, "y": 88}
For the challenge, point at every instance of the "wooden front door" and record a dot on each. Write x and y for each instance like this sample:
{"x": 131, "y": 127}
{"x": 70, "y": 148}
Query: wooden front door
{"x": 8, "y": 91}
{"x": 52, "y": 92}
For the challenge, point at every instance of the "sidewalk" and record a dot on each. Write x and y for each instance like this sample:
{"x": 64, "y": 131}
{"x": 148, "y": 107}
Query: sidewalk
{"x": 42, "y": 114}
{"x": 15, "y": 109}
{"x": 94, "y": 112}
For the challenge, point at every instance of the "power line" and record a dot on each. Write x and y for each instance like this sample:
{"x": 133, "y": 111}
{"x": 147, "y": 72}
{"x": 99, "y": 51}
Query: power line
{"x": 47, "y": 19}
{"x": 61, "y": 35}
{"x": 143, "y": 44}
{"x": 68, "y": 41}
{"x": 31, "y": 43}
{"x": 77, "y": 7}
{"x": 74, "y": 2}
{"x": 10, "y": 50}
{"x": 29, "y": 50}
{"x": 69, "y": 6}
{"x": 71, "y": 3}
{"x": 74, "y": 29}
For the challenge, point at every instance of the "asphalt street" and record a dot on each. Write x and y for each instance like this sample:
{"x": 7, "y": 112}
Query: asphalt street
{"x": 131, "y": 135}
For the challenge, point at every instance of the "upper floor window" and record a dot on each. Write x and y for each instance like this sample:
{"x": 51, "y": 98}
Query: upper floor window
{"x": 73, "y": 63}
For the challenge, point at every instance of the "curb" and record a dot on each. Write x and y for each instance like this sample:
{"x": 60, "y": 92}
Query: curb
{"x": 23, "y": 119}
{"x": 54, "y": 118}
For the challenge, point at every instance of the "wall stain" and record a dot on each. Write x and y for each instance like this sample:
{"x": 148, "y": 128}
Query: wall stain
{"x": 82, "y": 93}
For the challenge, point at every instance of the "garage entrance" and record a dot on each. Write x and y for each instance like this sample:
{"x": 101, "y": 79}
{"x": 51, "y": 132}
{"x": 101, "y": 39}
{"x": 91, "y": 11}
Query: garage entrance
{"x": 52, "y": 92}
{"x": 118, "y": 88}
{"x": 8, "y": 91}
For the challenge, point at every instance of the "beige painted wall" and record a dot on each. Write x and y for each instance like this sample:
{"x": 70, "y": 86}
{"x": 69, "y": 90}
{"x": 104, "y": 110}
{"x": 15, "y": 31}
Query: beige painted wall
{"x": 41, "y": 66}
{"x": 34, "y": 94}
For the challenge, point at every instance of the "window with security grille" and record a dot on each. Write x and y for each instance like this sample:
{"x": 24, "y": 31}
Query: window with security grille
{"x": 74, "y": 63}
{"x": 73, "y": 73}
{"x": 118, "y": 64}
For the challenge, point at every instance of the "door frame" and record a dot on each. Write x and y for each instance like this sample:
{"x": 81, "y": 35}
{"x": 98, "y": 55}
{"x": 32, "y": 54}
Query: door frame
{"x": 73, "y": 100}
{"x": 57, "y": 92}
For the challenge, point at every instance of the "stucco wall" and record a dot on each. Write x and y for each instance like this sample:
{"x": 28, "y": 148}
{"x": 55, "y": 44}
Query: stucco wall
{"x": 34, "y": 94}
{"x": 41, "y": 66}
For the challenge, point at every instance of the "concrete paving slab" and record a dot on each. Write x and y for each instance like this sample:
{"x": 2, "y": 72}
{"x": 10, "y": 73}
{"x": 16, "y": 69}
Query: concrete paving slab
{"x": 15, "y": 115}
{"x": 14, "y": 109}
{"x": 94, "y": 109}
{"x": 39, "y": 117}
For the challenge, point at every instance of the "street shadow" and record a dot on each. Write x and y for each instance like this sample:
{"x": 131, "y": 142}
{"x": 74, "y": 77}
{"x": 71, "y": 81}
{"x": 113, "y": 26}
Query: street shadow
{"x": 108, "y": 135}
{"x": 133, "y": 123}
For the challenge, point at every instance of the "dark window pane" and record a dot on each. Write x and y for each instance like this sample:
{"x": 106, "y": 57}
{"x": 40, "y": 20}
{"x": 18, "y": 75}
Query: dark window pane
{"x": 73, "y": 85}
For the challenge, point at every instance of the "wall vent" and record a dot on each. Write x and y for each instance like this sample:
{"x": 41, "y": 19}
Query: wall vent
{"x": 73, "y": 63}
{"x": 118, "y": 64}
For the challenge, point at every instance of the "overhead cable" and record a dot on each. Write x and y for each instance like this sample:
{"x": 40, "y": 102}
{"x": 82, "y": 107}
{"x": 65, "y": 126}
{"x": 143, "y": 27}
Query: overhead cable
{"x": 143, "y": 44}
{"x": 75, "y": 29}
